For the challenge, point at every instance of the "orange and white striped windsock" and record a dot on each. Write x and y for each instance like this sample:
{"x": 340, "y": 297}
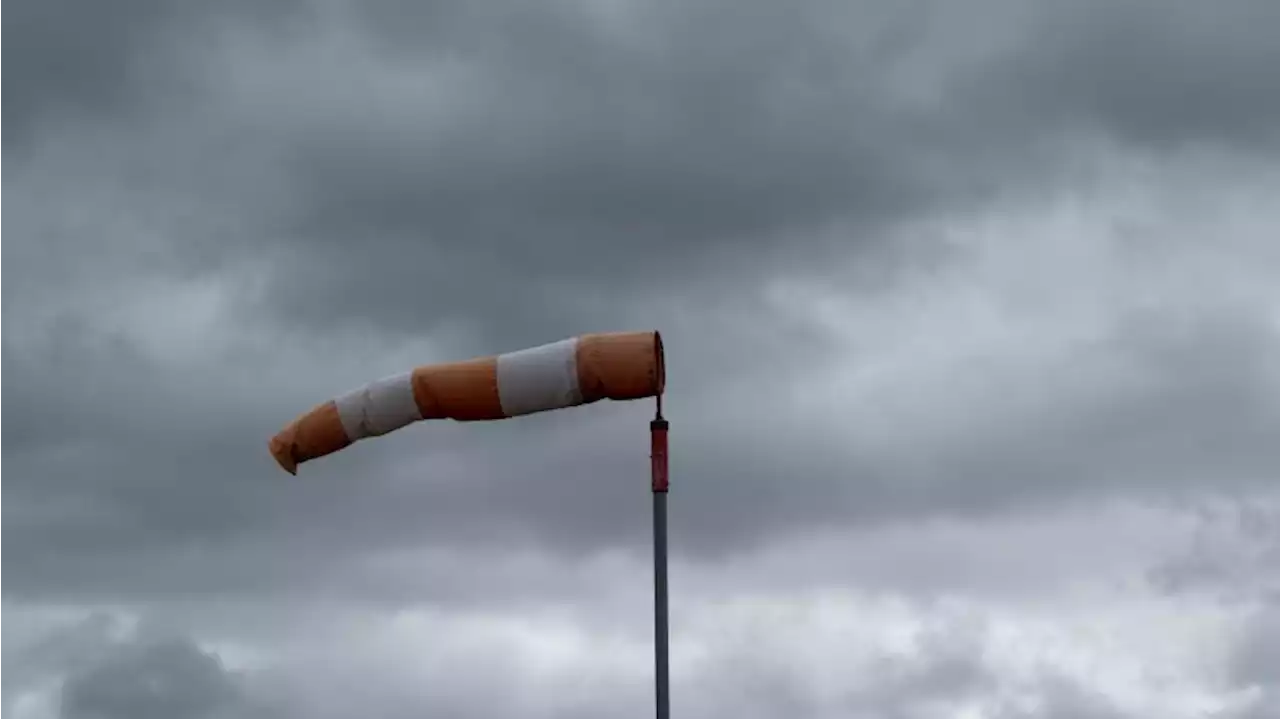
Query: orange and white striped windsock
{"x": 562, "y": 374}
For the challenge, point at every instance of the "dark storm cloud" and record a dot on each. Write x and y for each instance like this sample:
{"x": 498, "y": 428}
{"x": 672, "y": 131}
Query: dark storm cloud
{"x": 540, "y": 156}
{"x": 1157, "y": 75}
{"x": 171, "y": 679}
{"x": 1192, "y": 367}
{"x": 105, "y": 515}
{"x": 523, "y": 161}
{"x": 75, "y": 58}
{"x": 72, "y": 62}
{"x": 705, "y": 140}
{"x": 222, "y": 213}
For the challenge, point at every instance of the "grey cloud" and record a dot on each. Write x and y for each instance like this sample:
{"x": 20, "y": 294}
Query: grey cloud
{"x": 84, "y": 62}
{"x": 1158, "y": 75}
{"x": 110, "y": 518}
{"x": 1060, "y": 698}
{"x": 577, "y": 153}
{"x": 1211, "y": 365}
{"x": 1253, "y": 666}
{"x": 1233, "y": 556}
{"x": 171, "y": 679}
{"x": 657, "y": 134}
{"x": 490, "y": 177}
{"x": 944, "y": 672}
{"x": 571, "y": 162}
{"x": 75, "y": 57}
{"x": 1258, "y": 658}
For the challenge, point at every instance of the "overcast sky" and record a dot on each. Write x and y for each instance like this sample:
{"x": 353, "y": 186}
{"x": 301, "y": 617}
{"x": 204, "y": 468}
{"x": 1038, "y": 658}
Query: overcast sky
{"x": 972, "y": 316}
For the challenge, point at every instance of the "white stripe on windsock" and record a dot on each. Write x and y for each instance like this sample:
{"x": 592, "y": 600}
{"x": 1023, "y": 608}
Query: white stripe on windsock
{"x": 378, "y": 408}
{"x": 539, "y": 379}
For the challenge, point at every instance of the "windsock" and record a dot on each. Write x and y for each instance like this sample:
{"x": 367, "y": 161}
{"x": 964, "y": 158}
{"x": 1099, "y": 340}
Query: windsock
{"x": 581, "y": 370}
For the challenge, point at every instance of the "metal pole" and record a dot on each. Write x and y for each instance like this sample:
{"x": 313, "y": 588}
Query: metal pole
{"x": 658, "y": 457}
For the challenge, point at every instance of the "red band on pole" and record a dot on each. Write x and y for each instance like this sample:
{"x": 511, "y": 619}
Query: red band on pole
{"x": 658, "y": 453}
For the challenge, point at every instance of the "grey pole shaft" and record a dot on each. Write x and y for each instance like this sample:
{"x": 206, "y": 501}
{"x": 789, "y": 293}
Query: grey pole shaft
{"x": 661, "y": 672}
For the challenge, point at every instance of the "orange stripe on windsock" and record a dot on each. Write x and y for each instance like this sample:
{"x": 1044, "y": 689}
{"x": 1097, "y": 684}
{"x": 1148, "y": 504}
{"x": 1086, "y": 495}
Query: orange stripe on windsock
{"x": 571, "y": 372}
{"x": 621, "y": 366}
{"x": 310, "y": 436}
{"x": 464, "y": 391}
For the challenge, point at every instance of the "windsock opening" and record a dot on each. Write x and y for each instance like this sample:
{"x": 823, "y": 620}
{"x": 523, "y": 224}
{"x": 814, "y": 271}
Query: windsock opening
{"x": 620, "y": 366}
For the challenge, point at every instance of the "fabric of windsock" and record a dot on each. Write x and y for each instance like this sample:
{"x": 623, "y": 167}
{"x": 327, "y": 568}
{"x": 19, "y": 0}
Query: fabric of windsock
{"x": 581, "y": 370}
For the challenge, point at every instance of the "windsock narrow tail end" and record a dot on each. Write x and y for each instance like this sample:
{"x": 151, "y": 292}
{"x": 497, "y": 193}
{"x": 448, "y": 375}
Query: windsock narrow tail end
{"x": 314, "y": 434}
{"x": 282, "y": 455}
